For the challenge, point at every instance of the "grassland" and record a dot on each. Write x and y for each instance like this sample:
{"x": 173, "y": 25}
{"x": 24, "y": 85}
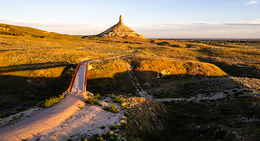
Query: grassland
{"x": 217, "y": 120}
{"x": 36, "y": 65}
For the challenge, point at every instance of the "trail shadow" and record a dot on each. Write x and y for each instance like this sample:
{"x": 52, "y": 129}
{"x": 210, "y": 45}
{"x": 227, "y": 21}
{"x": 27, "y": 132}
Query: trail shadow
{"x": 35, "y": 66}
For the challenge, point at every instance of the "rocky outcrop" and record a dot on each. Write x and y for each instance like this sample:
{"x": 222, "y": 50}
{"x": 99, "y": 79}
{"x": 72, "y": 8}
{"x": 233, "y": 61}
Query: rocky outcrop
{"x": 120, "y": 29}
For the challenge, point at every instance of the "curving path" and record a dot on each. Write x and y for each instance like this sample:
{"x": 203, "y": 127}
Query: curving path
{"x": 50, "y": 118}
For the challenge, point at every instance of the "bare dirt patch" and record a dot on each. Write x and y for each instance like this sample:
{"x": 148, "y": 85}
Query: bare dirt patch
{"x": 85, "y": 123}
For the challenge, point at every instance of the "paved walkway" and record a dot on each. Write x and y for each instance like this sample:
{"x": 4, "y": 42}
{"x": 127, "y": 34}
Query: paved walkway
{"x": 79, "y": 81}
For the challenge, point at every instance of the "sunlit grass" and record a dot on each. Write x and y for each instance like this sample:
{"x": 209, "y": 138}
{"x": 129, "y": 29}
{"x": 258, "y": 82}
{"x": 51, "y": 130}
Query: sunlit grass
{"x": 35, "y": 64}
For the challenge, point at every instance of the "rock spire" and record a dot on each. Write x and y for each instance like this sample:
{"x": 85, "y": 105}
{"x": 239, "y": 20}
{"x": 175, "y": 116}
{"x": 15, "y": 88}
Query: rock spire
{"x": 120, "y": 29}
{"x": 120, "y": 19}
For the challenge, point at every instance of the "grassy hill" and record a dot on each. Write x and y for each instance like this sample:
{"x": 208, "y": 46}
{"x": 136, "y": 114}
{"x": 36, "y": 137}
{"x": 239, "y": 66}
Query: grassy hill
{"x": 13, "y": 30}
{"x": 36, "y": 65}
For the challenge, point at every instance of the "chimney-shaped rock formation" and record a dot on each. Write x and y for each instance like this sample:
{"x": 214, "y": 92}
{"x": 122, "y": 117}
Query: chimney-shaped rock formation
{"x": 120, "y": 29}
{"x": 120, "y": 19}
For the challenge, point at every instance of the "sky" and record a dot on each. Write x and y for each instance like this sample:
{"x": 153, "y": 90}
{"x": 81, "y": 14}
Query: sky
{"x": 152, "y": 18}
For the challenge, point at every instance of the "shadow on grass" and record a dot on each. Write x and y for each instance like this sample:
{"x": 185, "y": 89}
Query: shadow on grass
{"x": 12, "y": 49}
{"x": 217, "y": 120}
{"x": 17, "y": 92}
{"x": 159, "y": 85}
{"x": 121, "y": 83}
{"x": 35, "y": 66}
{"x": 234, "y": 70}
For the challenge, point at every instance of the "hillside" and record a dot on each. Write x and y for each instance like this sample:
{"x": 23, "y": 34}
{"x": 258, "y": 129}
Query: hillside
{"x": 214, "y": 82}
{"x": 13, "y": 30}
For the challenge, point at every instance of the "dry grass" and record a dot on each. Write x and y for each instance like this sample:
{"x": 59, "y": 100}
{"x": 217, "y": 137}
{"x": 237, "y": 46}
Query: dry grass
{"x": 110, "y": 76}
{"x": 172, "y": 67}
{"x": 38, "y": 63}
{"x": 52, "y": 101}
{"x": 144, "y": 119}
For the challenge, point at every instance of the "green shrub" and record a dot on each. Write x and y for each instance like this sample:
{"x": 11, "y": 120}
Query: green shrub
{"x": 92, "y": 101}
{"x": 52, "y": 101}
{"x": 112, "y": 109}
{"x": 112, "y": 127}
{"x": 163, "y": 43}
{"x": 94, "y": 138}
{"x": 123, "y": 124}
{"x": 40, "y": 103}
{"x": 118, "y": 99}
{"x": 97, "y": 96}
{"x": 175, "y": 45}
{"x": 124, "y": 105}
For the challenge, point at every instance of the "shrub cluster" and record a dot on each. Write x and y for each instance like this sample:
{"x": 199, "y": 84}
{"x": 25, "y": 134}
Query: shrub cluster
{"x": 109, "y": 136}
{"x": 163, "y": 43}
{"x": 93, "y": 100}
{"x": 112, "y": 109}
{"x": 117, "y": 99}
{"x": 112, "y": 127}
{"x": 52, "y": 101}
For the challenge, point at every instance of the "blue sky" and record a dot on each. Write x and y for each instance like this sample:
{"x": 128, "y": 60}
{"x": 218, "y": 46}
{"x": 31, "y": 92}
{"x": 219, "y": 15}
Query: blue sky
{"x": 152, "y": 18}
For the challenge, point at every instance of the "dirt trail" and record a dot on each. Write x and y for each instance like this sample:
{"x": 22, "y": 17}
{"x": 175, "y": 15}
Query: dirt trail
{"x": 43, "y": 120}
{"x": 85, "y": 123}
{"x": 48, "y": 118}
{"x": 140, "y": 90}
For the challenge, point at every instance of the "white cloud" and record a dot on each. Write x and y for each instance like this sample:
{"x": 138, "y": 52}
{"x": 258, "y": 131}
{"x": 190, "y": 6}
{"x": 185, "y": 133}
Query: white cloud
{"x": 252, "y": 2}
